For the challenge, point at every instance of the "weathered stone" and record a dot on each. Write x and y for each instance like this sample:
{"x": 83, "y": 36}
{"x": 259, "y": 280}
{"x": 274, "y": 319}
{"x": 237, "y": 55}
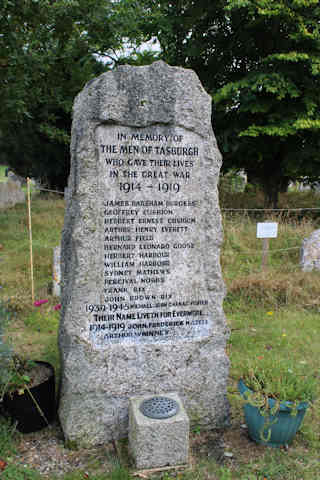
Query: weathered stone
{"x": 13, "y": 177}
{"x": 56, "y": 271}
{"x": 10, "y": 194}
{"x": 66, "y": 193}
{"x": 310, "y": 252}
{"x": 141, "y": 282}
{"x": 158, "y": 443}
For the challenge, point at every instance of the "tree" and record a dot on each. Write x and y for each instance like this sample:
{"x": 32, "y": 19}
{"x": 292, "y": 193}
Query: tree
{"x": 271, "y": 117}
{"x": 260, "y": 61}
{"x": 192, "y": 34}
{"x": 49, "y": 49}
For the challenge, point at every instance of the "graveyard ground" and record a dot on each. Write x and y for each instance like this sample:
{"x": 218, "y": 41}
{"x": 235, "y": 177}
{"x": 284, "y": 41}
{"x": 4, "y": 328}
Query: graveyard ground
{"x": 270, "y": 312}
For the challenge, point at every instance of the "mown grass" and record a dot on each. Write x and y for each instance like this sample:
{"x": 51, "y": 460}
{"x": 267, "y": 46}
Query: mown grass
{"x": 272, "y": 311}
{"x": 47, "y": 221}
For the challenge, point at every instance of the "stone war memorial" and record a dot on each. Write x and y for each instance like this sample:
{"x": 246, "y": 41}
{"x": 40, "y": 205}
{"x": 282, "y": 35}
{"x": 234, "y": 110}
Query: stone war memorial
{"x": 142, "y": 289}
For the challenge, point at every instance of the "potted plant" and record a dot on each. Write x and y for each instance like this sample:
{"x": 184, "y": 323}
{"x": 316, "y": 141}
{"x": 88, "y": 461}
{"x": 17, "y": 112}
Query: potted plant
{"x": 276, "y": 394}
{"x": 27, "y": 388}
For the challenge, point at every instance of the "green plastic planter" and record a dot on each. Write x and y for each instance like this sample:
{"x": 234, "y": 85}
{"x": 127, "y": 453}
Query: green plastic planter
{"x": 283, "y": 425}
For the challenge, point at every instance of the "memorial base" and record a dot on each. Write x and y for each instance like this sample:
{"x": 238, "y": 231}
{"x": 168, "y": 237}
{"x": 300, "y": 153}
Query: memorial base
{"x": 158, "y": 442}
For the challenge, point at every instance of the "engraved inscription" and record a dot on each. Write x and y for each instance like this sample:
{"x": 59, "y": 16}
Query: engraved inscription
{"x": 153, "y": 286}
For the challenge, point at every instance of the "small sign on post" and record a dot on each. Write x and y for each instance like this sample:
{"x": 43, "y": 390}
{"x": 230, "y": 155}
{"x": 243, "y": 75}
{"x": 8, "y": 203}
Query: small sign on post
{"x": 266, "y": 230}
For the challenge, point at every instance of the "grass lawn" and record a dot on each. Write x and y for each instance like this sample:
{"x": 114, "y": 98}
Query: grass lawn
{"x": 270, "y": 312}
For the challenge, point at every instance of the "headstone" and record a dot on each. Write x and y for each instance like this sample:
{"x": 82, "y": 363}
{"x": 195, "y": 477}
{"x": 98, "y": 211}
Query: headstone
{"x": 13, "y": 177}
{"x": 155, "y": 442}
{"x": 10, "y": 194}
{"x": 142, "y": 289}
{"x": 56, "y": 271}
{"x": 310, "y": 252}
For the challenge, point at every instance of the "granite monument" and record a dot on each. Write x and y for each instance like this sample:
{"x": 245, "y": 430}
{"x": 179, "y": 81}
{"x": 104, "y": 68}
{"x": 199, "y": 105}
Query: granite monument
{"x": 142, "y": 289}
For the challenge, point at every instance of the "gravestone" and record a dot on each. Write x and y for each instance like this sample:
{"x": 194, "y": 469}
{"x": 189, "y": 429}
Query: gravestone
{"x": 13, "y": 177}
{"x": 142, "y": 289}
{"x": 11, "y": 194}
{"x": 310, "y": 252}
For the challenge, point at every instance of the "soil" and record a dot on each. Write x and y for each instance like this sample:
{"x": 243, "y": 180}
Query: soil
{"x": 45, "y": 452}
{"x": 39, "y": 373}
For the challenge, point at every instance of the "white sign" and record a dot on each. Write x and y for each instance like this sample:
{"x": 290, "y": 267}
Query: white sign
{"x": 267, "y": 230}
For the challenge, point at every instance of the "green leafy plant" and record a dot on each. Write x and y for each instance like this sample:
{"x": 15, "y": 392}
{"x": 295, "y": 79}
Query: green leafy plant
{"x": 7, "y": 433}
{"x": 18, "y": 375}
{"x": 16, "y": 372}
{"x": 19, "y": 472}
{"x": 288, "y": 383}
{"x": 280, "y": 379}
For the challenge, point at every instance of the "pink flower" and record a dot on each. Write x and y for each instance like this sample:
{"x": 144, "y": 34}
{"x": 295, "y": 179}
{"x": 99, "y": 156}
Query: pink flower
{"x": 40, "y": 302}
{"x": 57, "y": 307}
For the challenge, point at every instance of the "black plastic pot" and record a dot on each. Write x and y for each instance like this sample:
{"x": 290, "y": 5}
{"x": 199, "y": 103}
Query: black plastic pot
{"x": 35, "y": 410}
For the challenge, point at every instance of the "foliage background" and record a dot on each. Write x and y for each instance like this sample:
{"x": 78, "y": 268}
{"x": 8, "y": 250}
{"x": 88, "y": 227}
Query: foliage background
{"x": 259, "y": 60}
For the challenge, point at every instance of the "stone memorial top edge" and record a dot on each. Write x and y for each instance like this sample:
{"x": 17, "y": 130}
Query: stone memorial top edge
{"x": 154, "y": 94}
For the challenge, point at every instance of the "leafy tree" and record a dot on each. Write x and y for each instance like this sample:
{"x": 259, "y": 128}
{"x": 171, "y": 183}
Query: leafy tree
{"x": 260, "y": 60}
{"x": 192, "y": 34}
{"x": 48, "y": 50}
{"x": 271, "y": 115}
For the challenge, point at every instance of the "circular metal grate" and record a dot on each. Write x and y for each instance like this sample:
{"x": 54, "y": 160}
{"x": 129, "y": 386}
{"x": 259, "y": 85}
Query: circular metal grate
{"x": 159, "y": 407}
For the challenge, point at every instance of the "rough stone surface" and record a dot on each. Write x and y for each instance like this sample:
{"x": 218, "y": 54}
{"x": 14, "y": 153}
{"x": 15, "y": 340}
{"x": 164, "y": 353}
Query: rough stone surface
{"x": 310, "y": 252}
{"x": 141, "y": 299}
{"x": 158, "y": 443}
{"x": 56, "y": 271}
{"x": 10, "y": 194}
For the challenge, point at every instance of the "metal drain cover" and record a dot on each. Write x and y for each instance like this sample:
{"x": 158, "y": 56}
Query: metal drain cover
{"x": 159, "y": 407}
